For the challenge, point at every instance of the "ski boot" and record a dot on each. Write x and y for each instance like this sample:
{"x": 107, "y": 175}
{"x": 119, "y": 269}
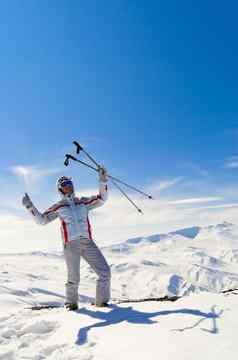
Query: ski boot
{"x": 71, "y": 307}
{"x": 104, "y": 304}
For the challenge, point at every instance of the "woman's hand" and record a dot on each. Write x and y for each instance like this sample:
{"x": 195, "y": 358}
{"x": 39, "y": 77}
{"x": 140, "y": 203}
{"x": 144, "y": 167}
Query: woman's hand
{"x": 103, "y": 176}
{"x": 26, "y": 201}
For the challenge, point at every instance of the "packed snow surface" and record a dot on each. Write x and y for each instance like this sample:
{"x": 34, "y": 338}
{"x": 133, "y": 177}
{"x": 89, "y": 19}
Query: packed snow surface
{"x": 198, "y": 264}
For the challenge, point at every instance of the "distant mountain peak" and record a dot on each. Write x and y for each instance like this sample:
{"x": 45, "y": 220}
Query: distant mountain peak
{"x": 187, "y": 232}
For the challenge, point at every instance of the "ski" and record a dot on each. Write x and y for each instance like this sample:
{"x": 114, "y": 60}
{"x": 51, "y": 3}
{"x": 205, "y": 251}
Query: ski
{"x": 44, "y": 307}
{"x": 159, "y": 299}
{"x": 113, "y": 302}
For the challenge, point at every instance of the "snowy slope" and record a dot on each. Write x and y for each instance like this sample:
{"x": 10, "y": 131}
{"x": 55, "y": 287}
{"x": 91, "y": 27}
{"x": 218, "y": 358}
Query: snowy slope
{"x": 194, "y": 327}
{"x": 189, "y": 260}
{"x": 199, "y": 262}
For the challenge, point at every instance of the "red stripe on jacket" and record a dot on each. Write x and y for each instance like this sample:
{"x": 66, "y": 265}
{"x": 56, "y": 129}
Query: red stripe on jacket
{"x": 91, "y": 201}
{"x": 89, "y": 229}
{"x": 65, "y": 232}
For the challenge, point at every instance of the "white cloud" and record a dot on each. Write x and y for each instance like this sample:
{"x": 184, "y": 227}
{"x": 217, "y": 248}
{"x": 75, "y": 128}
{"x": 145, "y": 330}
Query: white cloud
{"x": 162, "y": 185}
{"x": 222, "y": 206}
{"x": 232, "y": 162}
{"x": 195, "y": 200}
{"x": 32, "y": 174}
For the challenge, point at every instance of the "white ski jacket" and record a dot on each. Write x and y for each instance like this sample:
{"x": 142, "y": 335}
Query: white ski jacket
{"x": 73, "y": 214}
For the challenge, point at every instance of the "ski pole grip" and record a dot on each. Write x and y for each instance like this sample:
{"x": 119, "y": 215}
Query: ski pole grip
{"x": 67, "y": 157}
{"x": 71, "y": 157}
{"x": 66, "y": 161}
{"x": 78, "y": 147}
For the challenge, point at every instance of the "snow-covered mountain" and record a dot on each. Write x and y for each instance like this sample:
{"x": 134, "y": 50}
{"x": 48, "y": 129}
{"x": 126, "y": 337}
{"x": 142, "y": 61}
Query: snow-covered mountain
{"x": 201, "y": 260}
{"x": 178, "y": 263}
{"x": 188, "y": 260}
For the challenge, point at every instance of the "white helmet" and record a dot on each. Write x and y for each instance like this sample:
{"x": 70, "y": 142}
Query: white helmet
{"x": 64, "y": 181}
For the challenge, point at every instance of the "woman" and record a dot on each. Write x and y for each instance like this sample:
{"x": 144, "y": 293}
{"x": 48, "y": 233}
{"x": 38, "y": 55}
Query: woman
{"x": 77, "y": 237}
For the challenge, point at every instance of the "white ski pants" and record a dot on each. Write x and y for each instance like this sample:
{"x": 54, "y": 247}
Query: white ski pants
{"x": 90, "y": 252}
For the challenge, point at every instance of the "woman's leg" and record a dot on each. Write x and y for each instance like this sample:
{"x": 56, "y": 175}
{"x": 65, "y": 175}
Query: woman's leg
{"x": 72, "y": 259}
{"x": 94, "y": 257}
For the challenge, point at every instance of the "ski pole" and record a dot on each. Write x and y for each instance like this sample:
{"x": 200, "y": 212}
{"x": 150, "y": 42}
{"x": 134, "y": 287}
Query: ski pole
{"x": 66, "y": 163}
{"x": 80, "y": 148}
{"x": 69, "y": 156}
{"x": 129, "y": 199}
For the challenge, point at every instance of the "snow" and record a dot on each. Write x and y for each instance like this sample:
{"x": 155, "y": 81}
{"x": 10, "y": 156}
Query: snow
{"x": 197, "y": 264}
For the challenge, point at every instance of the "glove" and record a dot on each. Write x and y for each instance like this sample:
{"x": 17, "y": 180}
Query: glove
{"x": 103, "y": 174}
{"x": 26, "y": 201}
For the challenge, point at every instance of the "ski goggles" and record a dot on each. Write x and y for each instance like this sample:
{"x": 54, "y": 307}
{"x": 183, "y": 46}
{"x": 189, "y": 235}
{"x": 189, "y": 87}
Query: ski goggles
{"x": 66, "y": 183}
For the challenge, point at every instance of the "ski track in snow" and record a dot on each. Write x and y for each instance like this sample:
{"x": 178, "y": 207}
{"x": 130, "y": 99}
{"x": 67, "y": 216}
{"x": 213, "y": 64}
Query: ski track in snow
{"x": 199, "y": 262}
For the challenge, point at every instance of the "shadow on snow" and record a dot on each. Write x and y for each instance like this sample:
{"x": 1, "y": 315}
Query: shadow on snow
{"x": 119, "y": 314}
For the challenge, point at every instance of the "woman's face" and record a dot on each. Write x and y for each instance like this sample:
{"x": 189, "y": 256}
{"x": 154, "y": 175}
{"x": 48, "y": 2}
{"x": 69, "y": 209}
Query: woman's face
{"x": 67, "y": 187}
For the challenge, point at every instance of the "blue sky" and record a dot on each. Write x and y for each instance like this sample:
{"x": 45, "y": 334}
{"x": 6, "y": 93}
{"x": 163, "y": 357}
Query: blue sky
{"x": 149, "y": 88}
